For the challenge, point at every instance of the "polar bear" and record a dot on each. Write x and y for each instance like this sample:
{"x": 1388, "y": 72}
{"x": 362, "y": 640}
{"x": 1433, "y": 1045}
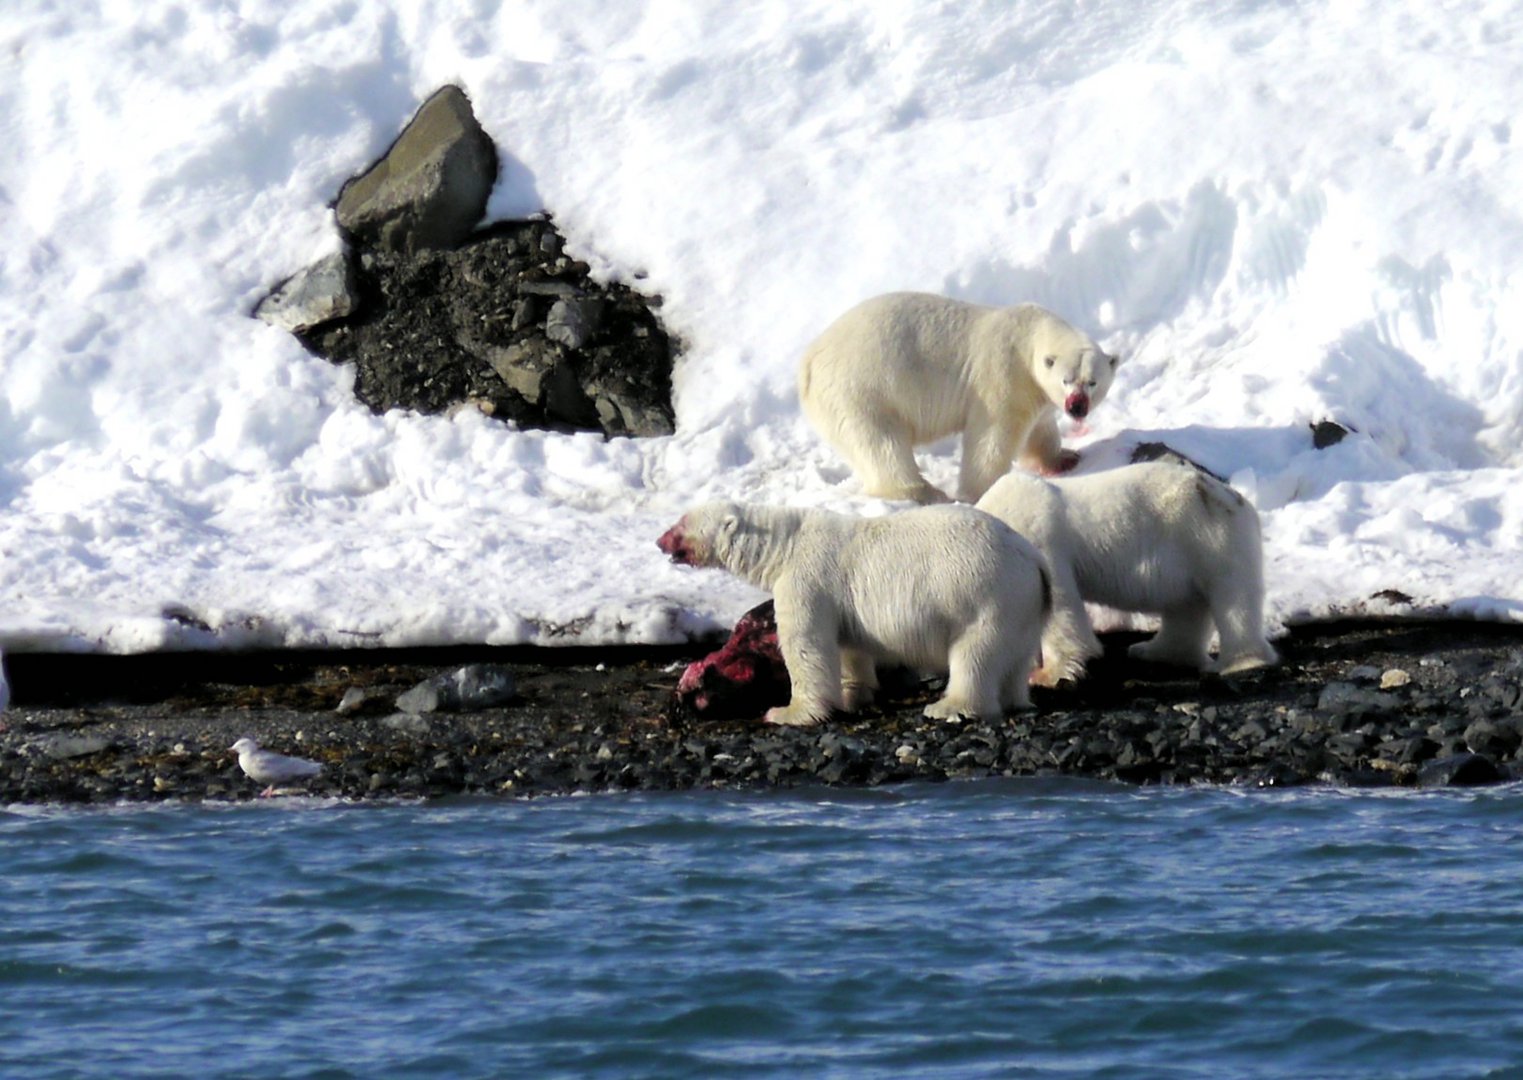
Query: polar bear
{"x": 940, "y": 588}
{"x": 1161, "y": 538}
{"x": 905, "y": 369}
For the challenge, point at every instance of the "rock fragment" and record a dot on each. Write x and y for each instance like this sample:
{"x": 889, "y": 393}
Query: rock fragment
{"x": 431, "y": 187}
{"x": 467, "y": 689}
{"x": 325, "y": 291}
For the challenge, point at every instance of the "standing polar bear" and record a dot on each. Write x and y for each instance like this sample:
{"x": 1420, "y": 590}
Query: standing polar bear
{"x": 905, "y": 369}
{"x": 1160, "y": 538}
{"x": 940, "y": 588}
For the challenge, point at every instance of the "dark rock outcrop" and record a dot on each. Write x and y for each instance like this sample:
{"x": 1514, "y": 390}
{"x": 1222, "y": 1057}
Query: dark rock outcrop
{"x": 436, "y": 314}
{"x": 1325, "y": 433}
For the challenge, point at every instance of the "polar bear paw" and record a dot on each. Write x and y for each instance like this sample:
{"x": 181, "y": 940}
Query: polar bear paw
{"x": 1239, "y": 664}
{"x": 1155, "y": 652}
{"x": 1060, "y": 670}
{"x": 1067, "y": 461}
{"x": 951, "y": 711}
{"x": 856, "y": 697}
{"x": 924, "y": 493}
{"x": 791, "y": 716}
{"x": 1045, "y": 676}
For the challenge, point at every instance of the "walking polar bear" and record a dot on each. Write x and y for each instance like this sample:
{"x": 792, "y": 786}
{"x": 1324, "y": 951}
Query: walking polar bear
{"x": 1161, "y": 538}
{"x": 940, "y": 588}
{"x": 905, "y": 369}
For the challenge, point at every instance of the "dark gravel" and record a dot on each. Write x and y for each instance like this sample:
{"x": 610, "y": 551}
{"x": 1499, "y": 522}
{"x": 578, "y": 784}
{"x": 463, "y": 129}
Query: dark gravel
{"x": 1353, "y": 705}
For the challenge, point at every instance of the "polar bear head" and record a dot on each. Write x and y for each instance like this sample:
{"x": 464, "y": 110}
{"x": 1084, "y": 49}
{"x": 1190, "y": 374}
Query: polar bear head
{"x": 755, "y": 542}
{"x": 715, "y": 535}
{"x": 1071, "y": 369}
{"x": 704, "y": 536}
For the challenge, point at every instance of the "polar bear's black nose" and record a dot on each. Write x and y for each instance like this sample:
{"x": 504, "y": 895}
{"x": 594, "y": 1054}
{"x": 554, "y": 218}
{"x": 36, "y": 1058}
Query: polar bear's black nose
{"x": 1077, "y": 405}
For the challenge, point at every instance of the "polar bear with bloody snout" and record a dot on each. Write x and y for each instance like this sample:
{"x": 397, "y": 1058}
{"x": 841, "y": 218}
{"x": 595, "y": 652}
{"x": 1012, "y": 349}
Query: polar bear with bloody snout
{"x": 940, "y": 588}
{"x": 905, "y": 369}
{"x": 1160, "y": 538}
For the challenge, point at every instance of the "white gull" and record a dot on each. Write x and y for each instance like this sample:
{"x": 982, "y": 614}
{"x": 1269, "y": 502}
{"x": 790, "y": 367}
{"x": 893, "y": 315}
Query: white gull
{"x": 268, "y": 767}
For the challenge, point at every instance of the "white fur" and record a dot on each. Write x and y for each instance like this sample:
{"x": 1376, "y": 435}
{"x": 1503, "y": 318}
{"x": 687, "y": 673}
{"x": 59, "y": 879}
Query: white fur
{"x": 905, "y": 369}
{"x": 943, "y": 588}
{"x": 1159, "y": 538}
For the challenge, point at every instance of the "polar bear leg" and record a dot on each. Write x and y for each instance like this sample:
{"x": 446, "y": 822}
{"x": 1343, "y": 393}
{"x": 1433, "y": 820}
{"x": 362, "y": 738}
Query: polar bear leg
{"x": 1043, "y": 451}
{"x": 1238, "y": 614}
{"x": 883, "y": 457}
{"x": 1068, "y": 641}
{"x": 1180, "y": 640}
{"x": 1015, "y": 691}
{"x": 807, "y": 635}
{"x": 976, "y": 666}
{"x": 1023, "y": 650}
{"x": 987, "y": 450}
{"x": 859, "y": 679}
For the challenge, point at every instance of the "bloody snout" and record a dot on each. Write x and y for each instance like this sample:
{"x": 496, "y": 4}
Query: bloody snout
{"x": 1076, "y": 405}
{"x": 674, "y": 543}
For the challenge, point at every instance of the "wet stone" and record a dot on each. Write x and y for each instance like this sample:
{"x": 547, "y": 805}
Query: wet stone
{"x": 1493, "y": 740}
{"x": 1460, "y": 770}
{"x": 67, "y": 747}
{"x": 1340, "y": 697}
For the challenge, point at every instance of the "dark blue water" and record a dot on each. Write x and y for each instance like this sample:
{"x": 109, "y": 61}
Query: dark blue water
{"x": 1001, "y": 928}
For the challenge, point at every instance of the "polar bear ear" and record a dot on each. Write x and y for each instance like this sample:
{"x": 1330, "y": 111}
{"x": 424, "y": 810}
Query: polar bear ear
{"x": 1115, "y": 359}
{"x": 729, "y": 524}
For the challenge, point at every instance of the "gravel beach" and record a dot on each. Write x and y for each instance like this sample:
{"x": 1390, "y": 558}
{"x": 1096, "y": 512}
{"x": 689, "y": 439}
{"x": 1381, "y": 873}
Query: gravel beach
{"x": 1366, "y": 704}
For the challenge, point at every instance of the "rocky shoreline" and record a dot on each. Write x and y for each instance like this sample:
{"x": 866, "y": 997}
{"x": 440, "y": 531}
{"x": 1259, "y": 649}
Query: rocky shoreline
{"x": 1356, "y": 705}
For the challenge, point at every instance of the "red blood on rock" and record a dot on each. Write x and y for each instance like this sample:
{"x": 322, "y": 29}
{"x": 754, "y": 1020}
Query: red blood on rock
{"x": 742, "y": 679}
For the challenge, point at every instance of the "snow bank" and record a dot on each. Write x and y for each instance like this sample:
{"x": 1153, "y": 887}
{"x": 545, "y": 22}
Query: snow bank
{"x": 1279, "y": 213}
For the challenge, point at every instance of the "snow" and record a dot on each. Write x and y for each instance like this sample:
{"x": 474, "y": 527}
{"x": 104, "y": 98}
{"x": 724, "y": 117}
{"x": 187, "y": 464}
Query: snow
{"x": 1278, "y": 212}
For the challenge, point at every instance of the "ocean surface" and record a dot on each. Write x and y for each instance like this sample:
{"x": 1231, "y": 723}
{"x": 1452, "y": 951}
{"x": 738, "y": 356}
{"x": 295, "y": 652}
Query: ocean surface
{"x": 1025, "y": 928}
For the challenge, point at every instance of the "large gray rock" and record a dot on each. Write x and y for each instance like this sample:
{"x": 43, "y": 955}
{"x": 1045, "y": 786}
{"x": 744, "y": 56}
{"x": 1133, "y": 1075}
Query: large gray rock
{"x": 430, "y": 189}
{"x": 1460, "y": 770}
{"x": 324, "y": 291}
{"x": 467, "y": 689}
